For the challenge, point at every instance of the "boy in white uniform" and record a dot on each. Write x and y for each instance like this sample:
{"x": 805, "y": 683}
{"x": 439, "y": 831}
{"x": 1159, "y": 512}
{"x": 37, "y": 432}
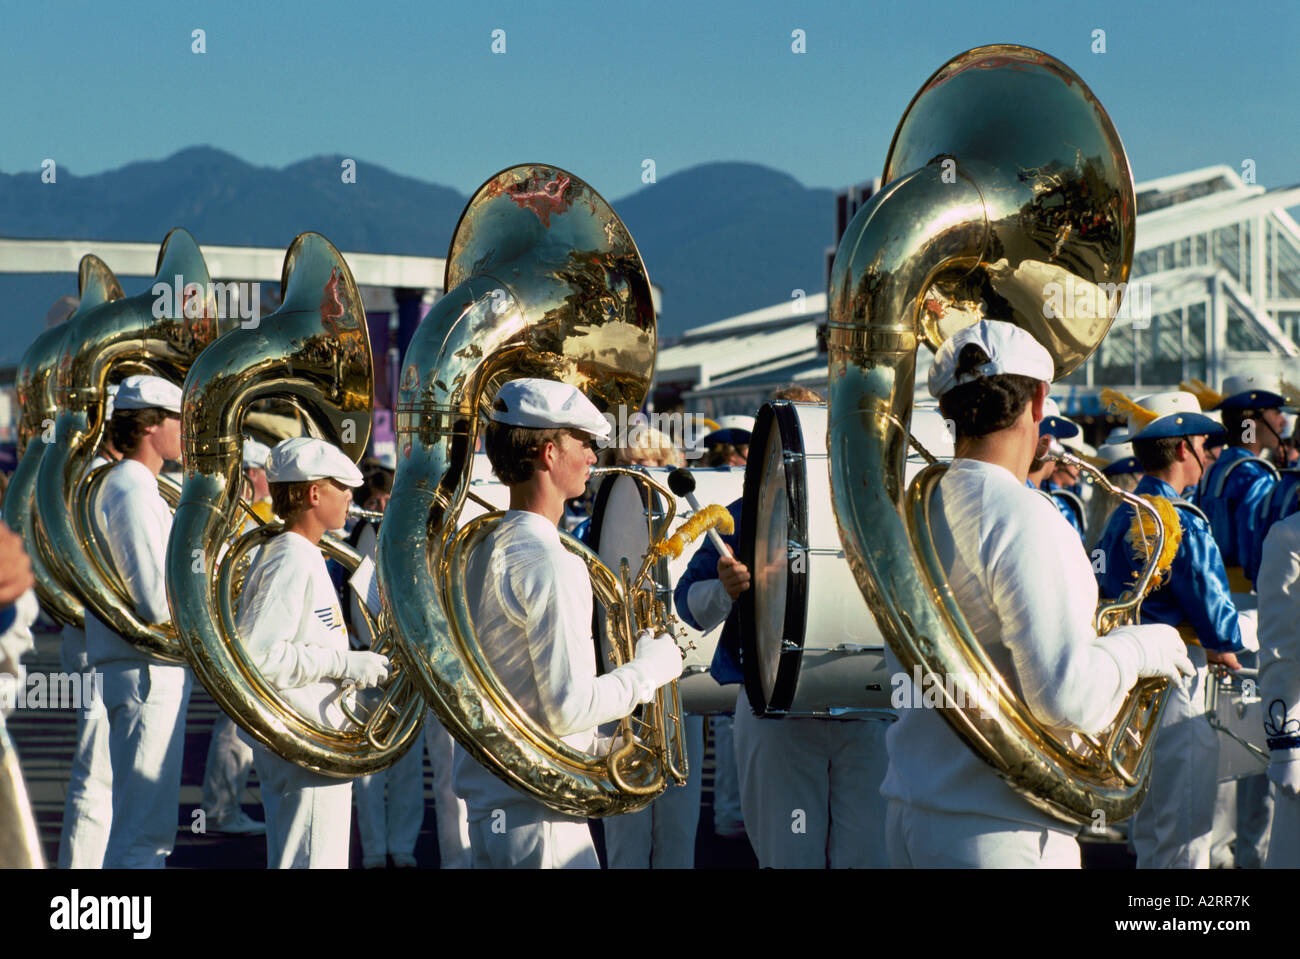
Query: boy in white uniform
{"x": 291, "y": 624}
{"x": 533, "y": 620}
{"x": 1025, "y": 585}
{"x": 145, "y": 696}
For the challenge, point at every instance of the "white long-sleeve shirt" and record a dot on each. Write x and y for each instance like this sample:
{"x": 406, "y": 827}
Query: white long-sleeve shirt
{"x": 134, "y": 522}
{"x": 292, "y": 627}
{"x": 1279, "y": 636}
{"x": 1024, "y": 583}
{"x": 533, "y": 621}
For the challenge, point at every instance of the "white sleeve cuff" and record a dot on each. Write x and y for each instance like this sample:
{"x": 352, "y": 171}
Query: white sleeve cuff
{"x": 708, "y": 602}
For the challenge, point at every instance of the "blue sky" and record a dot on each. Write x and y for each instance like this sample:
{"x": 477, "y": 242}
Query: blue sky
{"x": 600, "y": 87}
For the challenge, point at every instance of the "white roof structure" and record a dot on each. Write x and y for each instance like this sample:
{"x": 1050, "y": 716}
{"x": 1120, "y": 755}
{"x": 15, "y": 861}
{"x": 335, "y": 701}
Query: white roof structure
{"x": 1214, "y": 290}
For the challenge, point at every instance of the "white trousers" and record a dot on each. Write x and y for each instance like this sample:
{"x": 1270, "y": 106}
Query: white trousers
{"x": 230, "y": 760}
{"x": 449, "y": 809}
{"x": 727, "y": 817}
{"x": 528, "y": 835}
{"x": 88, "y": 809}
{"x": 146, "y": 738}
{"x": 308, "y": 816}
{"x": 1173, "y": 827}
{"x": 662, "y": 836}
{"x": 924, "y": 839}
{"x": 1284, "y": 846}
{"x": 391, "y": 825}
{"x": 810, "y": 790}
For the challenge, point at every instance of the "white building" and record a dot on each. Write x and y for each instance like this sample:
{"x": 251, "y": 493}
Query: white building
{"x": 1216, "y": 268}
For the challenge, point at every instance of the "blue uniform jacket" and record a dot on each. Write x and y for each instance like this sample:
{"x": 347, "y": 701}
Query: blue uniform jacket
{"x": 725, "y": 667}
{"x": 1197, "y": 589}
{"x": 1237, "y": 513}
{"x": 1064, "y": 505}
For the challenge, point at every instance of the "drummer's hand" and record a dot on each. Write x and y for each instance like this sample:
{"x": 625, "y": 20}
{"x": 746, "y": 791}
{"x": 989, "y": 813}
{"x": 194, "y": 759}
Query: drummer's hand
{"x": 1222, "y": 659}
{"x": 15, "y": 567}
{"x": 734, "y": 575}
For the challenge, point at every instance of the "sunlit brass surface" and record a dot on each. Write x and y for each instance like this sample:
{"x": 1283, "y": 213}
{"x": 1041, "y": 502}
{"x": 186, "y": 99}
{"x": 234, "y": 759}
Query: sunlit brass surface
{"x": 1005, "y": 177}
{"x": 314, "y": 350}
{"x": 35, "y": 390}
{"x": 543, "y": 280}
{"x": 136, "y": 334}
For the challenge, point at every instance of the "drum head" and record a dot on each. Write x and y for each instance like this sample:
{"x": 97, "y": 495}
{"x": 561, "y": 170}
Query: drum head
{"x": 772, "y": 610}
{"x": 618, "y": 530}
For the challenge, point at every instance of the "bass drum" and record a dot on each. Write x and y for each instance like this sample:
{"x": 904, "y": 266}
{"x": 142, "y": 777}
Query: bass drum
{"x": 810, "y": 644}
{"x": 618, "y": 530}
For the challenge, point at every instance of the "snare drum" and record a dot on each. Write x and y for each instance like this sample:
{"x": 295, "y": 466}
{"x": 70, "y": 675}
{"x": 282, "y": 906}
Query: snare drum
{"x": 618, "y": 530}
{"x": 810, "y": 644}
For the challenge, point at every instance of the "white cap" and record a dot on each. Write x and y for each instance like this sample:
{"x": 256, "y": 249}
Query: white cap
{"x": 1114, "y": 452}
{"x": 143, "y": 392}
{"x": 255, "y": 453}
{"x": 736, "y": 422}
{"x": 110, "y": 403}
{"x": 302, "y": 458}
{"x": 547, "y": 405}
{"x": 1009, "y": 349}
{"x": 1116, "y": 437}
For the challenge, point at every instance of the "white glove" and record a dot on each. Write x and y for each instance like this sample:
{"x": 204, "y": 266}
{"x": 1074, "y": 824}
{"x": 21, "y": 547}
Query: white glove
{"x": 365, "y": 668}
{"x": 1285, "y": 773}
{"x": 657, "y": 661}
{"x": 1156, "y": 650}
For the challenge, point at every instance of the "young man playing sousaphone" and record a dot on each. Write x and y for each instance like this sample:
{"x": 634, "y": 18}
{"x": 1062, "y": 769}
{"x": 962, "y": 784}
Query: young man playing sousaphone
{"x": 290, "y": 622}
{"x": 1021, "y": 578}
{"x": 1172, "y": 828}
{"x": 532, "y": 608}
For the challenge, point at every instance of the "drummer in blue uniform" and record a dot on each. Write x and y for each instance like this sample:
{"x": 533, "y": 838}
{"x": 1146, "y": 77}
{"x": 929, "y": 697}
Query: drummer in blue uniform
{"x": 1172, "y": 829}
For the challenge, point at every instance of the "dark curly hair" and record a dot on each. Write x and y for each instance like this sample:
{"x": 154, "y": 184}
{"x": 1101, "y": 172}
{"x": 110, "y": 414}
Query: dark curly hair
{"x": 988, "y": 404}
{"x": 128, "y": 427}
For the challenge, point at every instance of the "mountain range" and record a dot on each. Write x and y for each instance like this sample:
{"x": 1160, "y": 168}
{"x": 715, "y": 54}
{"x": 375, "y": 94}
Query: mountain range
{"x": 719, "y": 239}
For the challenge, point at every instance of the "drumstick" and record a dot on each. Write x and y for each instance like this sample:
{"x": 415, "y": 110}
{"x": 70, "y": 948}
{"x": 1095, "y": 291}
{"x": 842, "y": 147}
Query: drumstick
{"x": 682, "y": 483}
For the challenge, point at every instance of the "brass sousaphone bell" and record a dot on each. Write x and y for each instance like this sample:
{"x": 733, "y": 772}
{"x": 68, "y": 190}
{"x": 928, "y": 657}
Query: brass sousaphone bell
{"x": 315, "y": 353}
{"x": 543, "y": 280}
{"x": 1006, "y": 184}
{"x": 36, "y": 396}
{"x": 138, "y": 334}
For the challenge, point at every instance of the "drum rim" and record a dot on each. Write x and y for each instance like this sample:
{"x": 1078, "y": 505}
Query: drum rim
{"x": 785, "y": 416}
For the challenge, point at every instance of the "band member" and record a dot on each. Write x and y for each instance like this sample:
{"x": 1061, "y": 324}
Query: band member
{"x": 291, "y": 624}
{"x": 1028, "y": 593}
{"x": 1121, "y": 467}
{"x": 230, "y": 759}
{"x": 828, "y": 769}
{"x": 1173, "y": 827}
{"x": 1239, "y": 483}
{"x": 533, "y": 616}
{"x": 145, "y": 697}
{"x": 1279, "y": 676}
{"x": 1057, "y": 480}
{"x": 88, "y": 806}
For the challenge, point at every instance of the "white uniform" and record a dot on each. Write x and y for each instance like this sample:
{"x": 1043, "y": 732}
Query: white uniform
{"x": 145, "y": 697}
{"x": 1279, "y": 678}
{"x": 662, "y": 836}
{"x": 292, "y": 626}
{"x": 533, "y": 620}
{"x": 389, "y": 824}
{"x": 809, "y": 788}
{"x": 88, "y": 808}
{"x": 449, "y": 809}
{"x": 1026, "y": 587}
